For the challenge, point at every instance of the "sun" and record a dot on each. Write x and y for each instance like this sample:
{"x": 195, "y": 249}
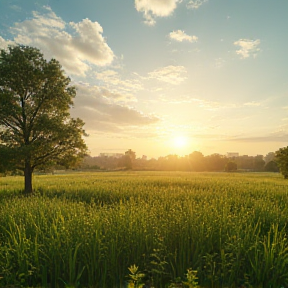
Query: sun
{"x": 180, "y": 141}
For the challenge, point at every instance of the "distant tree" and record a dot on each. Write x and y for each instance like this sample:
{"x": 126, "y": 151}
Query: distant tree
{"x": 215, "y": 162}
{"x": 196, "y": 161}
{"x": 183, "y": 163}
{"x": 36, "y": 129}
{"x": 271, "y": 166}
{"x": 171, "y": 162}
{"x": 245, "y": 162}
{"x": 231, "y": 166}
{"x": 152, "y": 164}
{"x": 269, "y": 157}
{"x": 128, "y": 159}
{"x": 281, "y": 158}
{"x": 259, "y": 163}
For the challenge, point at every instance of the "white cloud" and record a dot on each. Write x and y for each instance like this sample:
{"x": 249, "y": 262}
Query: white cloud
{"x": 116, "y": 96}
{"x": 76, "y": 51}
{"x": 170, "y": 74}
{"x": 113, "y": 80}
{"x": 247, "y": 47}
{"x": 90, "y": 43}
{"x": 3, "y": 43}
{"x": 213, "y": 105}
{"x": 272, "y": 137}
{"x": 195, "y": 4}
{"x": 155, "y": 8}
{"x": 180, "y": 36}
{"x": 252, "y": 104}
{"x": 92, "y": 105}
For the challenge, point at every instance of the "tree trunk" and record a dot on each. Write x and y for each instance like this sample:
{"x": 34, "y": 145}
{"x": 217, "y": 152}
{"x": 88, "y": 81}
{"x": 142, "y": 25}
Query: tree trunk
{"x": 28, "y": 178}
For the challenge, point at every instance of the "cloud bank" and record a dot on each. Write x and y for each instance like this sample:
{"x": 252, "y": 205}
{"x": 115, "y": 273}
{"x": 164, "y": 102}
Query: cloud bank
{"x": 180, "y": 36}
{"x": 247, "y": 47}
{"x": 83, "y": 46}
{"x": 169, "y": 74}
{"x": 195, "y": 4}
{"x": 4, "y": 43}
{"x": 98, "y": 110}
{"x": 155, "y": 8}
{"x": 113, "y": 81}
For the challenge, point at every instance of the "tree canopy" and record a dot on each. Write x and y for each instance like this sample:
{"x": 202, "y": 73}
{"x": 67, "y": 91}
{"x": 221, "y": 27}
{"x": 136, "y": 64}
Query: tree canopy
{"x": 281, "y": 158}
{"x": 36, "y": 129}
{"x": 231, "y": 166}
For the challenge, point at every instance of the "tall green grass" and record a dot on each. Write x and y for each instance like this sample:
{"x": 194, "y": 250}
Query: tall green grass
{"x": 85, "y": 230}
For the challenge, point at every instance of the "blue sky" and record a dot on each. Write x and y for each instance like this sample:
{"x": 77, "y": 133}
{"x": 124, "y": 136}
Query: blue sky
{"x": 165, "y": 76}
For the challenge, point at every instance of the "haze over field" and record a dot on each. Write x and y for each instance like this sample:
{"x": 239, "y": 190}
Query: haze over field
{"x": 166, "y": 76}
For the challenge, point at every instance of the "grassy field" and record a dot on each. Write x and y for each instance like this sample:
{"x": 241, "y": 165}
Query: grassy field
{"x": 87, "y": 229}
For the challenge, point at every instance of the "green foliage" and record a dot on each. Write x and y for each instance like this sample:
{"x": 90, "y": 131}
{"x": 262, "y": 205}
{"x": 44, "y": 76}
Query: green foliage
{"x": 135, "y": 277}
{"x": 127, "y": 160}
{"x": 196, "y": 161}
{"x": 190, "y": 282}
{"x": 191, "y": 279}
{"x": 84, "y": 230}
{"x": 230, "y": 166}
{"x": 281, "y": 159}
{"x": 36, "y": 127}
{"x": 259, "y": 163}
{"x": 271, "y": 166}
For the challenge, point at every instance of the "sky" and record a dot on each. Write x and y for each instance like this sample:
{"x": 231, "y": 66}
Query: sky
{"x": 166, "y": 77}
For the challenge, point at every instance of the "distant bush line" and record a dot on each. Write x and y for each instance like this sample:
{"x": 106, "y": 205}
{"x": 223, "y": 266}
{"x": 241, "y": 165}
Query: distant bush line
{"x": 195, "y": 162}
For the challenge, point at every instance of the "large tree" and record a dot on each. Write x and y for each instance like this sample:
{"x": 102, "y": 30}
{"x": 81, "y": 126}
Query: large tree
{"x": 36, "y": 129}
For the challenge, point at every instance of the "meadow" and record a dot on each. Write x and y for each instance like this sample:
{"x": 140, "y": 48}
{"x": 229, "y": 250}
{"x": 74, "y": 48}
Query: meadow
{"x": 87, "y": 229}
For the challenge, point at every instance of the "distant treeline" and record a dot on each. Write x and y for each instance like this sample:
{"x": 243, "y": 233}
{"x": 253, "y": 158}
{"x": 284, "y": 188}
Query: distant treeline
{"x": 195, "y": 161}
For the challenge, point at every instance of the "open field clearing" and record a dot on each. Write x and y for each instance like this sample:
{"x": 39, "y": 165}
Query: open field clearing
{"x": 86, "y": 229}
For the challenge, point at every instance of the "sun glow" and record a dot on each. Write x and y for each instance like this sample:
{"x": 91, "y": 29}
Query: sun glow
{"x": 180, "y": 141}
